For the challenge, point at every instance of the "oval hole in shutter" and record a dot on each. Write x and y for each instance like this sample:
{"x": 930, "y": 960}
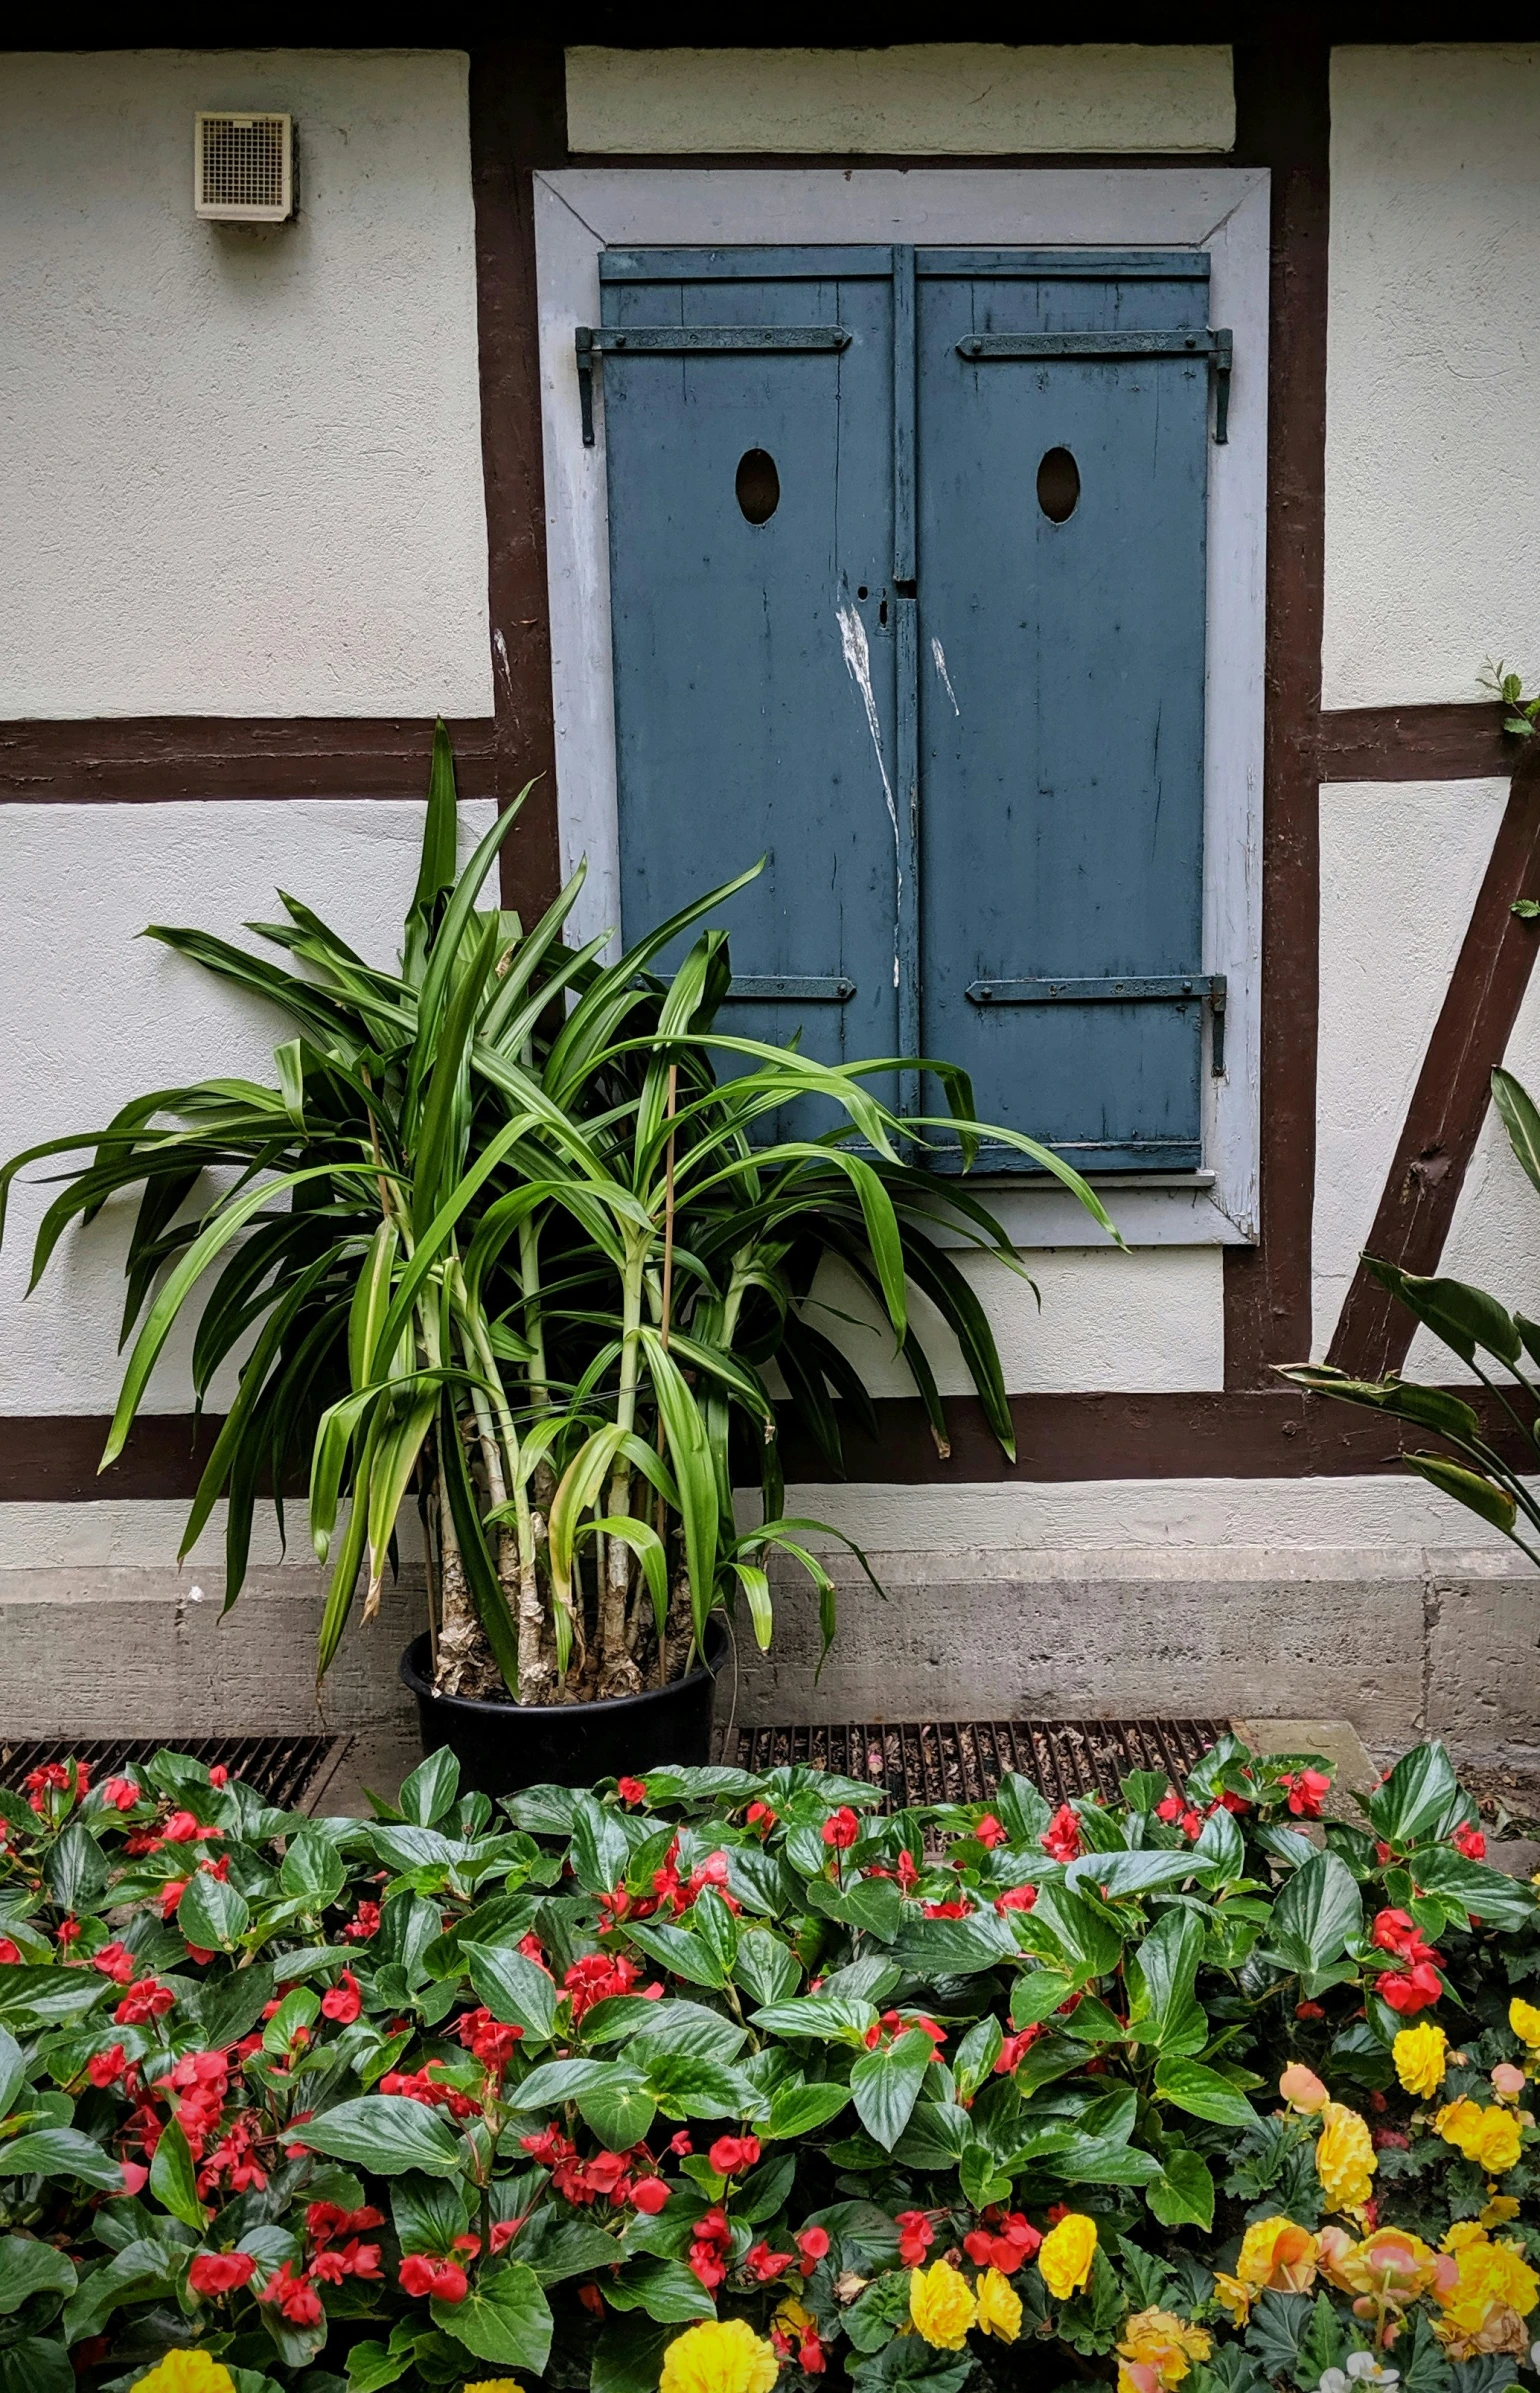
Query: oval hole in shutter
{"x": 1058, "y": 485}
{"x": 758, "y": 485}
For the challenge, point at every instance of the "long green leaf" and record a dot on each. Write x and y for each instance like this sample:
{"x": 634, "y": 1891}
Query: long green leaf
{"x": 1521, "y": 1120}
{"x": 390, "y": 1479}
{"x": 350, "y": 1553}
{"x": 371, "y": 1302}
{"x": 579, "y": 1485}
{"x": 479, "y": 1563}
{"x": 436, "y": 869}
{"x": 435, "y": 1237}
{"x": 434, "y": 1159}
{"x": 528, "y": 955}
{"x": 650, "y": 1550}
{"x": 217, "y": 1233}
{"x": 446, "y": 946}
{"x": 690, "y": 1448}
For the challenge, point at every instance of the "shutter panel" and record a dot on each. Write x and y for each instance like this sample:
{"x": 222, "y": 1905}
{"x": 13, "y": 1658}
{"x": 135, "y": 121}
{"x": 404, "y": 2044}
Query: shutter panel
{"x": 751, "y": 527}
{"x": 1062, "y": 691}
{"x": 982, "y": 808}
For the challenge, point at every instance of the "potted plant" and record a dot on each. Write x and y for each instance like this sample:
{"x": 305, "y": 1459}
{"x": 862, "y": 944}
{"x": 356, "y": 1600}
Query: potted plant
{"x": 502, "y": 1242}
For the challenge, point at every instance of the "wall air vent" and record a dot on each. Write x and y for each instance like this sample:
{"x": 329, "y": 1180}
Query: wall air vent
{"x": 243, "y": 166}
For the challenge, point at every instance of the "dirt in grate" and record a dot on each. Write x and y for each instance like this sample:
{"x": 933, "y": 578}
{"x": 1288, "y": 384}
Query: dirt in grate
{"x": 279, "y": 1768}
{"x": 1508, "y": 1799}
{"x": 963, "y": 1761}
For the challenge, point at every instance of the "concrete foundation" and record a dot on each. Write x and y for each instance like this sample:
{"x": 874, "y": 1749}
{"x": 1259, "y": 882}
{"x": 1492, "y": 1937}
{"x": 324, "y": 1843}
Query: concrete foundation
{"x": 1403, "y": 1643}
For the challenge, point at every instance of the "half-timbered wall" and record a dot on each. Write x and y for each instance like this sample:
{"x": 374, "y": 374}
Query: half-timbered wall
{"x": 283, "y": 497}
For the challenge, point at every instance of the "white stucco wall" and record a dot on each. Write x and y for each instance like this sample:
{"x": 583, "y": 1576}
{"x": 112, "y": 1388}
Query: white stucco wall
{"x": 1433, "y": 431}
{"x": 1494, "y": 1239}
{"x": 1401, "y": 862}
{"x": 240, "y": 467}
{"x": 929, "y": 98}
{"x": 1151, "y": 1319}
{"x": 91, "y": 1014}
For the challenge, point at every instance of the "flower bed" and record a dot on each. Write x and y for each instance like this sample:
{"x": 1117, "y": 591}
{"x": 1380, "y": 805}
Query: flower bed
{"x": 711, "y": 2079}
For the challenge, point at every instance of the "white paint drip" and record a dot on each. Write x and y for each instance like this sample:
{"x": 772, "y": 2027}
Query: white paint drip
{"x": 939, "y": 653}
{"x": 858, "y": 664}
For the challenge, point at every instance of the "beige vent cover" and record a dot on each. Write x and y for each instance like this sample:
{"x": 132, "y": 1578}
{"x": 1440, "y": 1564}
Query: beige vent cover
{"x": 243, "y": 166}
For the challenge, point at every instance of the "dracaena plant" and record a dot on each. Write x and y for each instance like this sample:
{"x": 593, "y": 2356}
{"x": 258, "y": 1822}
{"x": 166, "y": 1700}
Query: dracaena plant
{"x": 499, "y": 1239}
{"x": 712, "y": 2079}
{"x": 1485, "y": 1336}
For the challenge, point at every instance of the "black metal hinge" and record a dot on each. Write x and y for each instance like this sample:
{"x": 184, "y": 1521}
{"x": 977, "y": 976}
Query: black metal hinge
{"x": 1217, "y": 346}
{"x": 1160, "y": 988}
{"x": 685, "y": 340}
{"x": 788, "y": 988}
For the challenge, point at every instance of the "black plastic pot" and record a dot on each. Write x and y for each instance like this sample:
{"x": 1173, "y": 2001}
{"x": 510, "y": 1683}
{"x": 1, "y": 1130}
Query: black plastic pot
{"x": 502, "y": 1747}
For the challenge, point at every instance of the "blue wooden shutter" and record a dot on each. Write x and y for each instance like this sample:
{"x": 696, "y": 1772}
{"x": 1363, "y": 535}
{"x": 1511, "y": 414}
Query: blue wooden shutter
{"x": 1062, "y": 691}
{"x": 755, "y": 660}
{"x": 962, "y": 718}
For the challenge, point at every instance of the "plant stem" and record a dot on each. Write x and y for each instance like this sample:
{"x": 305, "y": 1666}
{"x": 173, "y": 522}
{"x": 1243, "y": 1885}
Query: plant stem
{"x": 534, "y": 1319}
{"x": 660, "y": 1510}
{"x": 618, "y": 1674}
{"x": 501, "y": 1450}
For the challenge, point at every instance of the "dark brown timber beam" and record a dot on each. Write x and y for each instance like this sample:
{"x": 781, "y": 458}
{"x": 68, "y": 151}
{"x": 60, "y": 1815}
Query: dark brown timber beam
{"x": 1283, "y": 122}
{"x": 1449, "y": 1102}
{"x": 1276, "y": 1433}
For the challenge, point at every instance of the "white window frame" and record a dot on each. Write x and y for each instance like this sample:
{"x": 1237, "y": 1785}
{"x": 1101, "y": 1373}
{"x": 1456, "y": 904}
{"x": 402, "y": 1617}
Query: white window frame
{"x": 581, "y": 211}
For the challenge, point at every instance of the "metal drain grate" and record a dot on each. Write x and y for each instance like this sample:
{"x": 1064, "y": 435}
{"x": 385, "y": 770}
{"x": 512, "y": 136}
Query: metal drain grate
{"x": 963, "y": 1761}
{"x": 279, "y": 1768}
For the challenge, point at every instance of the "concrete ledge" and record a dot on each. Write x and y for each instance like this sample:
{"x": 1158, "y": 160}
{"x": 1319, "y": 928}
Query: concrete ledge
{"x": 102, "y": 1633}
{"x": 94, "y": 1652}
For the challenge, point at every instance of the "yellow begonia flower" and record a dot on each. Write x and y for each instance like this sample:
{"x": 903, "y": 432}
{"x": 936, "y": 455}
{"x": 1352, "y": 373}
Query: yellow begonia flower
{"x": 1500, "y": 2210}
{"x": 941, "y": 2306}
{"x": 719, "y": 2356}
{"x": 1490, "y": 2137}
{"x": 1066, "y": 2253}
{"x": 1524, "y": 2020}
{"x": 1344, "y": 2158}
{"x": 999, "y": 2306}
{"x": 1278, "y": 2257}
{"x": 1463, "y": 2232}
{"x": 1159, "y": 2341}
{"x": 1485, "y": 2298}
{"x": 791, "y": 2315}
{"x": 493, "y": 2384}
{"x": 1234, "y": 2296}
{"x": 1421, "y": 2055}
{"x": 186, "y": 2372}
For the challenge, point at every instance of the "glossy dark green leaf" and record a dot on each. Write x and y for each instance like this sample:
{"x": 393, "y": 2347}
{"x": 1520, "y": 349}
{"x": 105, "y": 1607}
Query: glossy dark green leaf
{"x": 212, "y": 1913}
{"x": 1316, "y": 1911}
{"x": 1183, "y": 2194}
{"x": 1202, "y": 2092}
{"x": 75, "y": 1869}
{"x": 61, "y": 2152}
{"x": 174, "y": 2177}
{"x": 386, "y": 2133}
{"x": 28, "y": 2266}
{"x": 1413, "y": 1799}
{"x": 513, "y": 1988}
{"x": 885, "y": 2084}
{"x": 505, "y": 2318}
{"x": 665, "y": 2290}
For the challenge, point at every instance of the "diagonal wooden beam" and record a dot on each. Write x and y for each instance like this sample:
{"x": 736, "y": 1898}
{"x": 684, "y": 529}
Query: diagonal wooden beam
{"x": 1449, "y": 1102}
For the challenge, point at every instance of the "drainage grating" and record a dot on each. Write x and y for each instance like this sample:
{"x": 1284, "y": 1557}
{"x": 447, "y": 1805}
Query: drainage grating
{"x": 279, "y": 1768}
{"x": 963, "y": 1761}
